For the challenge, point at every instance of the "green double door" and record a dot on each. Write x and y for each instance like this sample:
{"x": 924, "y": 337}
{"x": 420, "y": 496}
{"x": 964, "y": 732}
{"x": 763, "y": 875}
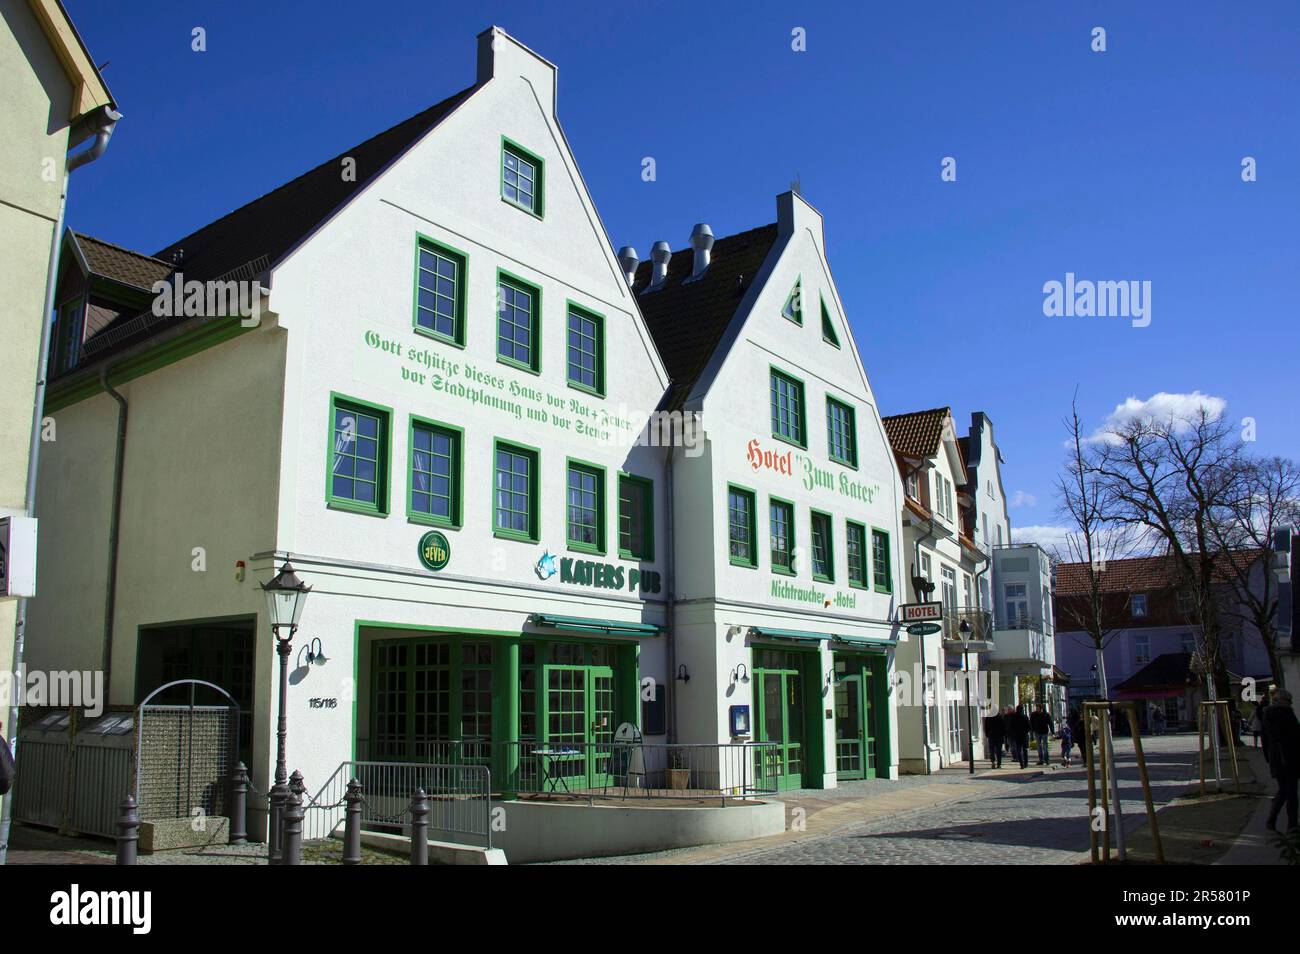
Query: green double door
{"x": 781, "y": 717}
{"x": 855, "y": 717}
{"x": 579, "y": 715}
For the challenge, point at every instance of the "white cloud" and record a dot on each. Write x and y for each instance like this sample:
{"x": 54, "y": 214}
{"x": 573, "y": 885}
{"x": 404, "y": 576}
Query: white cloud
{"x": 1162, "y": 406}
{"x": 1051, "y": 539}
{"x": 1022, "y": 499}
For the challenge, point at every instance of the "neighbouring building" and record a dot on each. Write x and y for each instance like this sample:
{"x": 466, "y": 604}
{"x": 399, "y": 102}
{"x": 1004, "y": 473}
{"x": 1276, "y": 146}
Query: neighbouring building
{"x": 431, "y": 396}
{"x": 1152, "y": 645}
{"x": 944, "y": 563}
{"x": 786, "y": 537}
{"x": 54, "y": 100}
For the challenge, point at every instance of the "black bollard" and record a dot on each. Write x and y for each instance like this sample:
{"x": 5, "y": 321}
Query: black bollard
{"x": 352, "y": 824}
{"x": 275, "y": 823}
{"x": 419, "y": 828}
{"x": 128, "y": 832}
{"x": 292, "y": 844}
{"x": 239, "y": 806}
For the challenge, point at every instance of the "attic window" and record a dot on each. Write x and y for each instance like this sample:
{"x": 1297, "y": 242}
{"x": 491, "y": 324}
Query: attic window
{"x": 793, "y": 309}
{"x": 521, "y": 177}
{"x": 828, "y": 328}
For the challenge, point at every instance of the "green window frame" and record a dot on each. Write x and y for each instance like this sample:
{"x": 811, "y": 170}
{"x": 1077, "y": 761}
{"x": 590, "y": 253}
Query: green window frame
{"x": 823, "y": 547}
{"x": 585, "y": 506}
{"x": 828, "y": 327}
{"x": 636, "y": 528}
{"x": 789, "y": 413}
{"x": 585, "y": 350}
{"x": 855, "y": 537}
{"x": 841, "y": 432}
{"x": 69, "y": 328}
{"x": 881, "y": 575}
{"x": 781, "y": 530}
{"x": 742, "y": 543}
{"x": 516, "y": 482}
{"x": 357, "y": 466}
{"x": 435, "y": 472}
{"x": 793, "y": 308}
{"x": 519, "y": 323}
{"x": 441, "y": 274}
{"x": 523, "y": 178}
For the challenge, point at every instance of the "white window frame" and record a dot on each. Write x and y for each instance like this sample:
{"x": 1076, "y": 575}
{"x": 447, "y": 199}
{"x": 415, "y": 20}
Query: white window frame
{"x": 1134, "y": 604}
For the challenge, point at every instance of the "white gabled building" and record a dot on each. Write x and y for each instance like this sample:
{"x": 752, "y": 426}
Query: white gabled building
{"x": 786, "y": 528}
{"x": 435, "y": 418}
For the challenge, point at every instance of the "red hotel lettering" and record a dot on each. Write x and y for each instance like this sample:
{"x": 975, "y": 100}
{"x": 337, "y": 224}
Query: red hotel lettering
{"x": 780, "y": 463}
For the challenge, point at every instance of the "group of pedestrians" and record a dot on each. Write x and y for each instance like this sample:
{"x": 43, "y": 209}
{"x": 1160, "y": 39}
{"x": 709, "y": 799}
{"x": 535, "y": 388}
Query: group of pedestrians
{"x": 1009, "y": 731}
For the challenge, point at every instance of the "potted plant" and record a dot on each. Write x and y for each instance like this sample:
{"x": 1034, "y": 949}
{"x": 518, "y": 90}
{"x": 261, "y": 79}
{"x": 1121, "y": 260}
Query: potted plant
{"x": 679, "y": 769}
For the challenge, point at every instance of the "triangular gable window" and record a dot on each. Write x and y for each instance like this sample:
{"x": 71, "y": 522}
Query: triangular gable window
{"x": 793, "y": 309}
{"x": 828, "y": 329}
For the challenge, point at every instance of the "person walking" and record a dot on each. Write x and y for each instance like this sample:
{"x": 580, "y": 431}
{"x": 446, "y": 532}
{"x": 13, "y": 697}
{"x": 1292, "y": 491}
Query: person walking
{"x": 1158, "y": 721}
{"x": 1020, "y": 733}
{"x": 1283, "y": 733}
{"x": 995, "y": 735}
{"x": 1041, "y": 724}
{"x": 1067, "y": 743}
{"x": 1009, "y": 732}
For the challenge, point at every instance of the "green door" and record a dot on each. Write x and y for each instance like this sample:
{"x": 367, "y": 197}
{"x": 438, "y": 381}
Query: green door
{"x": 780, "y": 719}
{"x": 855, "y": 738}
{"x": 579, "y": 714}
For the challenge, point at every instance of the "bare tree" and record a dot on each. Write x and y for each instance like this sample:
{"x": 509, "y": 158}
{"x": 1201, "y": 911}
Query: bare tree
{"x": 1267, "y": 499}
{"x": 1170, "y": 478}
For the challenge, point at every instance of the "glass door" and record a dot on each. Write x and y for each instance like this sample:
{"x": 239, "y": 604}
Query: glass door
{"x": 602, "y": 725}
{"x": 855, "y": 737}
{"x": 580, "y": 724}
{"x": 780, "y": 718}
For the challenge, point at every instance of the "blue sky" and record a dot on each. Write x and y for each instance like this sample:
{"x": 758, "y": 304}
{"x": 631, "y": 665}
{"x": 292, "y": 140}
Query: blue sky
{"x": 1122, "y": 165}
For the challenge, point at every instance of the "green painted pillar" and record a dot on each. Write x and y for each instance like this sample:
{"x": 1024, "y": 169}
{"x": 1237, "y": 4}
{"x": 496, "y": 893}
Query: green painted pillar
{"x": 508, "y": 763}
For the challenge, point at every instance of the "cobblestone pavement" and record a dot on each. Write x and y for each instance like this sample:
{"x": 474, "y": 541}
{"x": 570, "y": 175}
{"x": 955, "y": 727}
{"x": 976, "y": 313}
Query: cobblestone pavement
{"x": 1032, "y": 816}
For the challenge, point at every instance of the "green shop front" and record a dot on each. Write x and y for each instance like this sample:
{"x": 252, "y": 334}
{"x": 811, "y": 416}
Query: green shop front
{"x": 539, "y": 708}
{"x": 792, "y": 698}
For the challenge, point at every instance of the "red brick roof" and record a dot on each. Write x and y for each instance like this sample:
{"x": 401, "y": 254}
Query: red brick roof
{"x": 1135, "y": 575}
{"x": 917, "y": 433}
{"x": 121, "y": 264}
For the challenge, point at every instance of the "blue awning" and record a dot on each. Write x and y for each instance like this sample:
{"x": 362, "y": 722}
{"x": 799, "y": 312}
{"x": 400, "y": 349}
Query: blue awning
{"x": 585, "y": 624}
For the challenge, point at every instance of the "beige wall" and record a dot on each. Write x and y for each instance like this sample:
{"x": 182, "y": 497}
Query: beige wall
{"x": 35, "y": 100}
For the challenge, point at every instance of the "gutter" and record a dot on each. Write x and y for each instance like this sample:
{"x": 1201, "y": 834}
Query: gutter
{"x": 105, "y": 120}
{"x": 114, "y": 520}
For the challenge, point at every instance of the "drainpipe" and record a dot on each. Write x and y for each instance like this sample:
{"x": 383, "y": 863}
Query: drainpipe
{"x": 105, "y": 121}
{"x": 670, "y": 709}
{"x": 115, "y": 516}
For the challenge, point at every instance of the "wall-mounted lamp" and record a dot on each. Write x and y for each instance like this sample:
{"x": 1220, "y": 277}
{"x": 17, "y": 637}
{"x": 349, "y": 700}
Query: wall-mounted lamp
{"x": 733, "y": 631}
{"x": 316, "y": 653}
{"x": 740, "y": 674}
{"x": 682, "y": 674}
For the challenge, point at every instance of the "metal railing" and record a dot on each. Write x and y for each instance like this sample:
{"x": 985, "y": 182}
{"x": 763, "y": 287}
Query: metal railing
{"x": 587, "y": 770}
{"x": 981, "y": 624}
{"x": 459, "y": 798}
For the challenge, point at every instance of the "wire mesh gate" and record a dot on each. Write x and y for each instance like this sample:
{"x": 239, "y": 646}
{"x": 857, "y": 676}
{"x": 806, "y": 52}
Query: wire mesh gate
{"x": 185, "y": 751}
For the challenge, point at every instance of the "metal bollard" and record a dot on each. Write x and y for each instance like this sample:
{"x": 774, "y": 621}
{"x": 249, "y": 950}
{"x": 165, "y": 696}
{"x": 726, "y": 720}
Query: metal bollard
{"x": 293, "y": 815}
{"x": 239, "y": 806}
{"x": 128, "y": 832}
{"x": 352, "y": 824}
{"x": 419, "y": 828}
{"x": 275, "y": 823}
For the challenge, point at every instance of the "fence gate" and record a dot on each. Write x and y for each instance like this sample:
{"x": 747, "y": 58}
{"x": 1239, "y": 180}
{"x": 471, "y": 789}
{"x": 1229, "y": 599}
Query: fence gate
{"x": 186, "y": 744}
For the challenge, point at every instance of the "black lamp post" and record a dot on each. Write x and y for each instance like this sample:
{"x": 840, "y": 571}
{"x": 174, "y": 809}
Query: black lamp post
{"x": 286, "y": 595}
{"x": 964, "y": 630}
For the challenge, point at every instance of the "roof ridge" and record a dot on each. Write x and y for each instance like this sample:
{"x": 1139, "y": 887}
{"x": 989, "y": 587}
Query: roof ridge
{"x": 928, "y": 410}
{"x": 319, "y": 165}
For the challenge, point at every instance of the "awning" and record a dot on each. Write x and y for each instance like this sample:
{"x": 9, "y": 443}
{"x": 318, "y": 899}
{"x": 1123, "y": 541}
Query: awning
{"x": 841, "y": 640}
{"x": 790, "y": 635}
{"x": 586, "y": 624}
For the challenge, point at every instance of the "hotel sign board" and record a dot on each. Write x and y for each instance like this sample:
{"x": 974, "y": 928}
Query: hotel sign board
{"x": 920, "y": 612}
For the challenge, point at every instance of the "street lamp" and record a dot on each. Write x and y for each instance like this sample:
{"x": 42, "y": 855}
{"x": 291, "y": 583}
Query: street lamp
{"x": 286, "y": 595}
{"x": 965, "y": 645}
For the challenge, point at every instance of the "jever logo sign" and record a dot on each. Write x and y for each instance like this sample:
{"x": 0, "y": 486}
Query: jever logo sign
{"x": 435, "y": 550}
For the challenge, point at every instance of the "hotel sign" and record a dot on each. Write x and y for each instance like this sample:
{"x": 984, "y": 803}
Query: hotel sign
{"x": 920, "y": 612}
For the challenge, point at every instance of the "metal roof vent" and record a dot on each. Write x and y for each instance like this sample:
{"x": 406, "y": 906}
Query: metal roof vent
{"x": 628, "y": 259}
{"x": 702, "y": 242}
{"x": 659, "y": 256}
